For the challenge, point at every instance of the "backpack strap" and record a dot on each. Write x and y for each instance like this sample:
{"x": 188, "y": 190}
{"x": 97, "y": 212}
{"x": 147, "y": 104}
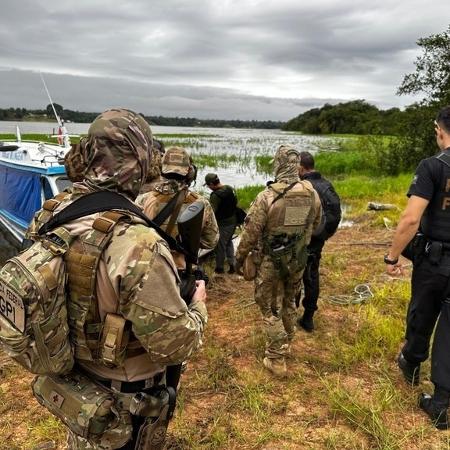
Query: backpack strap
{"x": 283, "y": 193}
{"x": 176, "y": 210}
{"x": 162, "y": 216}
{"x": 46, "y": 213}
{"x": 104, "y": 201}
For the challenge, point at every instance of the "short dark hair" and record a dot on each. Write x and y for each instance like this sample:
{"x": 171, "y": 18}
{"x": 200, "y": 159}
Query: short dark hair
{"x": 307, "y": 160}
{"x": 443, "y": 118}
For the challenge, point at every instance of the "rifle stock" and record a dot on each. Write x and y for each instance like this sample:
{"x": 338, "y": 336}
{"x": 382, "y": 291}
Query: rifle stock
{"x": 190, "y": 225}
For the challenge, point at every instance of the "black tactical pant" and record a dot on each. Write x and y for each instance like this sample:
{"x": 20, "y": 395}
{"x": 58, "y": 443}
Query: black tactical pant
{"x": 311, "y": 281}
{"x": 225, "y": 247}
{"x": 440, "y": 356}
{"x": 429, "y": 287}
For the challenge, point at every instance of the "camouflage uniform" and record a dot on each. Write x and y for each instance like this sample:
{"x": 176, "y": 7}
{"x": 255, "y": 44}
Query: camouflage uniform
{"x": 177, "y": 161}
{"x": 136, "y": 276}
{"x": 297, "y": 212}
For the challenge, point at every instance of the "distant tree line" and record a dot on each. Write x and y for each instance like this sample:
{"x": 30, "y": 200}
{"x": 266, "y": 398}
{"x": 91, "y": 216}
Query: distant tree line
{"x": 88, "y": 117}
{"x": 354, "y": 117}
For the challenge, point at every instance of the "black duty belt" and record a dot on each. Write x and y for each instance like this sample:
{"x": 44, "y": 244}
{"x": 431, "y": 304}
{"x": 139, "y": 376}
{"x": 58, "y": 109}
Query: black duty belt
{"x": 130, "y": 387}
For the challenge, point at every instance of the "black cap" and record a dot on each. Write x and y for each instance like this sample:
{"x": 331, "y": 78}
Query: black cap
{"x": 211, "y": 178}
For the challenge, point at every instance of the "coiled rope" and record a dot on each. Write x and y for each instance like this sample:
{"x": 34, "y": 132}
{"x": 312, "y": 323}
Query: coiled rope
{"x": 362, "y": 294}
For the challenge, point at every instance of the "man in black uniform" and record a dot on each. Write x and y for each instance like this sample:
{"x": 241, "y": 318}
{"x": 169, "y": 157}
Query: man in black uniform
{"x": 429, "y": 207}
{"x": 224, "y": 202}
{"x": 331, "y": 208}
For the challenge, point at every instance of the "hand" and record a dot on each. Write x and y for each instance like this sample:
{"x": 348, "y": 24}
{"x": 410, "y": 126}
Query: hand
{"x": 238, "y": 267}
{"x": 394, "y": 270}
{"x": 200, "y": 291}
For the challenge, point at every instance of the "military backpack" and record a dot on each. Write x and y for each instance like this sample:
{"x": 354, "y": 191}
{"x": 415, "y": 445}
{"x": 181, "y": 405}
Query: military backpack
{"x": 34, "y": 328}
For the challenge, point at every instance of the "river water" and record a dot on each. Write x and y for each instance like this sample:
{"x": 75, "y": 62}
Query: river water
{"x": 239, "y": 146}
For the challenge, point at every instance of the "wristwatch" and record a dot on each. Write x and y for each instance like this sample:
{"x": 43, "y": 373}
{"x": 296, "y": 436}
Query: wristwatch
{"x": 391, "y": 262}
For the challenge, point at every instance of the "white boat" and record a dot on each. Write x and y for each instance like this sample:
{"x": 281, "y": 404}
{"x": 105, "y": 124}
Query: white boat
{"x": 30, "y": 173}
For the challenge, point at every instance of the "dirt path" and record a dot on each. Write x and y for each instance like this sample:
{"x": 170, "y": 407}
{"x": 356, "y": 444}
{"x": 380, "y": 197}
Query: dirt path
{"x": 343, "y": 389}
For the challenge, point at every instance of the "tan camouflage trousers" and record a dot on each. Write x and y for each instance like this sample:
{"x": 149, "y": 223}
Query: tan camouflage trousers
{"x": 279, "y": 329}
{"x": 75, "y": 442}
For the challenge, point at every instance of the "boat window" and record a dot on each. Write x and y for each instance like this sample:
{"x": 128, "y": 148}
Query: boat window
{"x": 48, "y": 193}
{"x": 63, "y": 183}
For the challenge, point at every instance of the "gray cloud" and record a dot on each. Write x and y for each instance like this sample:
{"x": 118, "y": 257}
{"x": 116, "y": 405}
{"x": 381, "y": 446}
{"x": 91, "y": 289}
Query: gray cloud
{"x": 229, "y": 59}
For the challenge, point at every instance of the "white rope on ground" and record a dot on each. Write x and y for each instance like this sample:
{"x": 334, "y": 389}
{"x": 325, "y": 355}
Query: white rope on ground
{"x": 362, "y": 294}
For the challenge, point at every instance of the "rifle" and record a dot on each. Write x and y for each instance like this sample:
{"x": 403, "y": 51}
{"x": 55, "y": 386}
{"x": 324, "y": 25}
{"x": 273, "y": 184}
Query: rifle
{"x": 152, "y": 432}
{"x": 190, "y": 225}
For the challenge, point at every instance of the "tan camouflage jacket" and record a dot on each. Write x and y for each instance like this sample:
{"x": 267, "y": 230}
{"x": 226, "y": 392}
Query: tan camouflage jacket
{"x": 154, "y": 201}
{"x": 137, "y": 278}
{"x": 262, "y": 220}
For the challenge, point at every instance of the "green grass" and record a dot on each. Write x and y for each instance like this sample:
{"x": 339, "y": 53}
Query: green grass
{"x": 36, "y": 137}
{"x": 203, "y": 160}
{"x": 363, "y": 414}
{"x": 183, "y": 135}
{"x": 247, "y": 194}
{"x": 362, "y": 186}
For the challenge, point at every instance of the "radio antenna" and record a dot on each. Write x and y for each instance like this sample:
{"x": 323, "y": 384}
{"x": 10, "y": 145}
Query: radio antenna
{"x": 62, "y": 127}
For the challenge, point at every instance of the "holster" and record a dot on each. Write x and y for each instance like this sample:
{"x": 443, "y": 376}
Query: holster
{"x": 415, "y": 249}
{"x": 152, "y": 434}
{"x": 434, "y": 250}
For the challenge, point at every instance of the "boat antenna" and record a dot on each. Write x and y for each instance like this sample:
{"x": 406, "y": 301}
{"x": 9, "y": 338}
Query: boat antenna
{"x": 18, "y": 135}
{"x": 62, "y": 127}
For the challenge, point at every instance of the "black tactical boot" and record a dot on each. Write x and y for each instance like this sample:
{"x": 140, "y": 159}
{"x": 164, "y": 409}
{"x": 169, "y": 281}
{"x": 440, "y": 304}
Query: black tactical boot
{"x": 411, "y": 371}
{"x": 436, "y": 407}
{"x": 306, "y": 321}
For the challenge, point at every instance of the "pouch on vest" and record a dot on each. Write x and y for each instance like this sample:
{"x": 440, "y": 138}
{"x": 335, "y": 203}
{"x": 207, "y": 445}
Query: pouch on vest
{"x": 288, "y": 253}
{"x": 114, "y": 340}
{"x": 88, "y": 409}
{"x": 249, "y": 267}
{"x": 33, "y": 314}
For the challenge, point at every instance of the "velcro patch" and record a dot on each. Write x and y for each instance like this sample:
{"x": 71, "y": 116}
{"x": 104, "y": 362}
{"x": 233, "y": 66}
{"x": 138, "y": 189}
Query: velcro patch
{"x": 294, "y": 216}
{"x": 176, "y": 158}
{"x": 11, "y": 307}
{"x": 57, "y": 399}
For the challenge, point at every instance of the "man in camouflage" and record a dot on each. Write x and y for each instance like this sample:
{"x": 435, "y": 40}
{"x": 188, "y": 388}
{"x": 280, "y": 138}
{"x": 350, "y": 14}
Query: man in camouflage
{"x": 178, "y": 172}
{"x": 280, "y": 221}
{"x": 136, "y": 276}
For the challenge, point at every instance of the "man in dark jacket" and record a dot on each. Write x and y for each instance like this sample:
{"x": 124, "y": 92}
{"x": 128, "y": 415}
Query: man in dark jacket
{"x": 224, "y": 202}
{"x": 331, "y": 208}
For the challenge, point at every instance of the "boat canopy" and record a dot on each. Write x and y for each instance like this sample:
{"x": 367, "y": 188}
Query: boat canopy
{"x": 21, "y": 192}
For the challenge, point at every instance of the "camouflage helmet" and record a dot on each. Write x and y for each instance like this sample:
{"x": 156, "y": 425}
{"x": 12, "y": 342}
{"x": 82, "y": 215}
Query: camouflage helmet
{"x": 176, "y": 160}
{"x": 118, "y": 152}
{"x": 286, "y": 162}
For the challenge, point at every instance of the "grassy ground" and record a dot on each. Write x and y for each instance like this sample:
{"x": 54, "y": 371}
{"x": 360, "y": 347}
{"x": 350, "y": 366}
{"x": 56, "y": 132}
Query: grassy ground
{"x": 344, "y": 390}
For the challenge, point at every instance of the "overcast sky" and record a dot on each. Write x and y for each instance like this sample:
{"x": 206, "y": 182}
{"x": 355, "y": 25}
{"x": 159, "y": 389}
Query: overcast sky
{"x": 246, "y": 59}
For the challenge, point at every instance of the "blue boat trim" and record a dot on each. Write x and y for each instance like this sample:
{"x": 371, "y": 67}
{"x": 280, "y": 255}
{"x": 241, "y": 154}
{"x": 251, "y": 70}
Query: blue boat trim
{"x": 55, "y": 170}
{"x": 14, "y": 218}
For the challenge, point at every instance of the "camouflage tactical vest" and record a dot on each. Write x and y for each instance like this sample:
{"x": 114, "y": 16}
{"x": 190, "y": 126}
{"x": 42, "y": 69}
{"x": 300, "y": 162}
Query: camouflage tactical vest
{"x": 289, "y": 216}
